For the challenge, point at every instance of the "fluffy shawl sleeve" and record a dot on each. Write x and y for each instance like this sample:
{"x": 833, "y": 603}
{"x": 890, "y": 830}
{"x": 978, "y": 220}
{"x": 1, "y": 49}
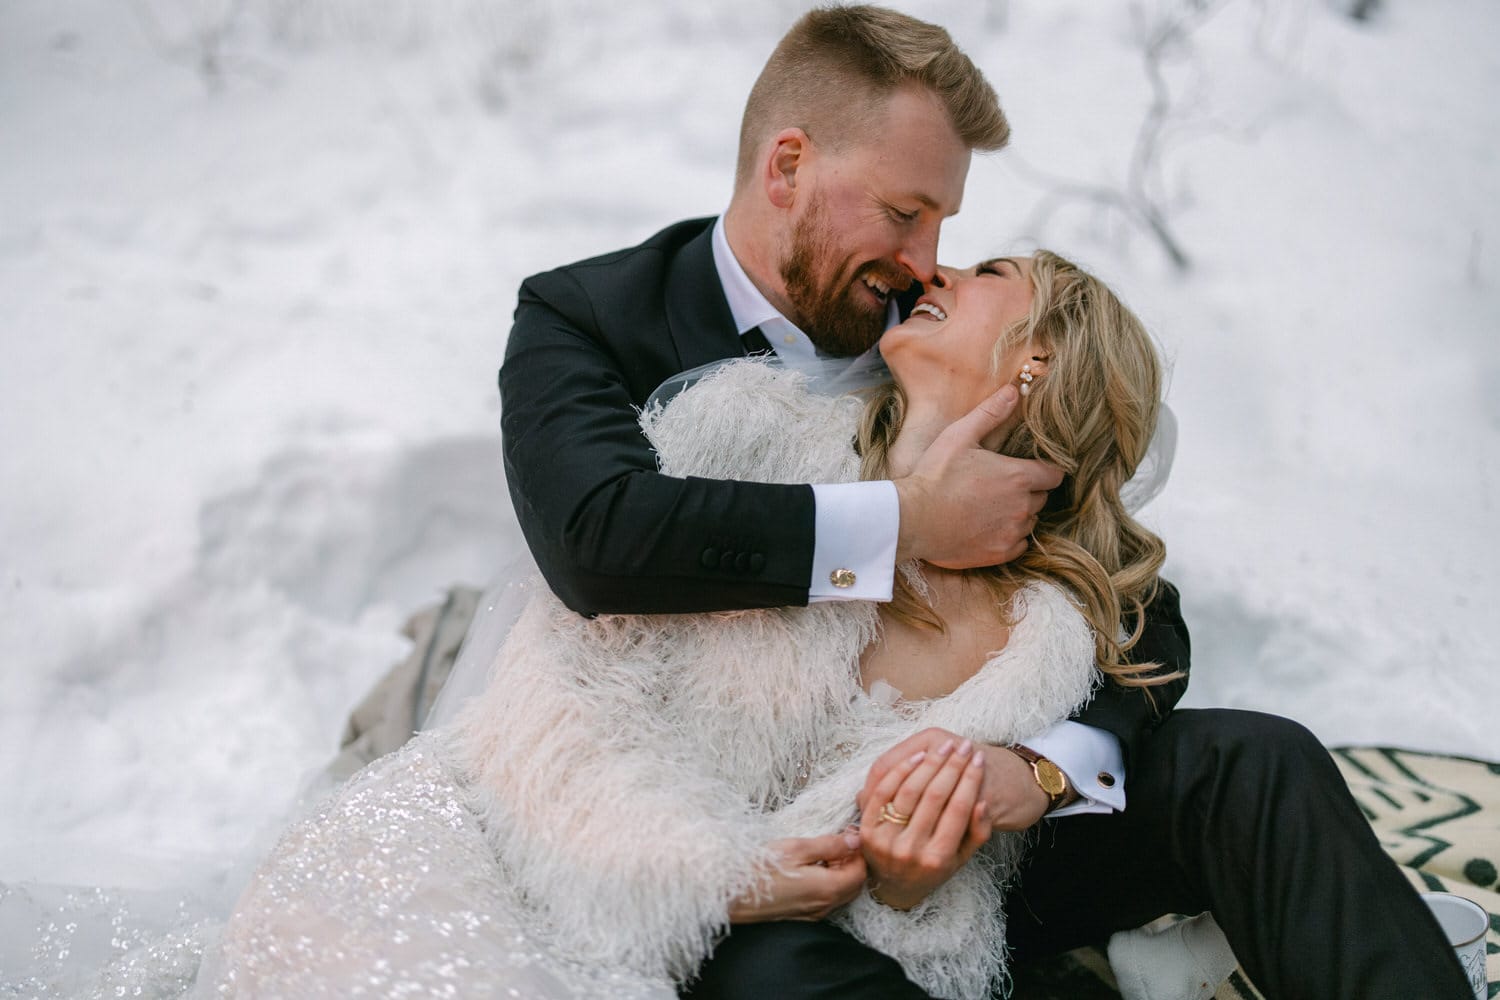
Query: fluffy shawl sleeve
{"x": 626, "y": 765}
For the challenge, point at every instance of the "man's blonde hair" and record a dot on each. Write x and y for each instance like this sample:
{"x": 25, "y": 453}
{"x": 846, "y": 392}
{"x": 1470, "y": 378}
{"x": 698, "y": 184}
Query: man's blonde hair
{"x": 833, "y": 72}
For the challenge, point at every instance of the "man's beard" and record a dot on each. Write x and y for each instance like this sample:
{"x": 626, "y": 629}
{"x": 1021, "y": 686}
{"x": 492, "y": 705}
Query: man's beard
{"x": 836, "y": 316}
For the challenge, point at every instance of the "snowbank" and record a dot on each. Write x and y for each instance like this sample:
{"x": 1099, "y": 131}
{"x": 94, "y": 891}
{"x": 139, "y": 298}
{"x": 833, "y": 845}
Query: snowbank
{"x": 256, "y": 270}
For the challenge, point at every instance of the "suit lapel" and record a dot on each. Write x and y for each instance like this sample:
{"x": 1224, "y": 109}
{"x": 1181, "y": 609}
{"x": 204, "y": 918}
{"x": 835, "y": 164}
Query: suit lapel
{"x": 698, "y": 316}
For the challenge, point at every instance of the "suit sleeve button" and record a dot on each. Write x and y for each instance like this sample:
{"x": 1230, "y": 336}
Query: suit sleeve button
{"x": 726, "y": 560}
{"x": 710, "y": 558}
{"x": 742, "y": 562}
{"x": 757, "y": 562}
{"x": 842, "y": 578}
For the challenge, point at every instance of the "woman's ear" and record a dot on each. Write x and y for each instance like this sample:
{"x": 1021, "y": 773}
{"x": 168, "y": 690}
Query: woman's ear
{"x": 1033, "y": 368}
{"x": 790, "y": 151}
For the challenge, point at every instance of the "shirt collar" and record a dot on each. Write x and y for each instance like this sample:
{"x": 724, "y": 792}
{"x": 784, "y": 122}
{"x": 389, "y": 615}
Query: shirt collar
{"x": 748, "y": 306}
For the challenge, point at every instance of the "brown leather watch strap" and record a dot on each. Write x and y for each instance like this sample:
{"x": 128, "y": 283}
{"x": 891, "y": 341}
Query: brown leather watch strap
{"x": 1049, "y": 777}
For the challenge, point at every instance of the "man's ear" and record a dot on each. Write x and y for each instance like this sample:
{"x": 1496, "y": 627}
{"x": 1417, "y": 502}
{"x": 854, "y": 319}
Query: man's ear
{"x": 790, "y": 152}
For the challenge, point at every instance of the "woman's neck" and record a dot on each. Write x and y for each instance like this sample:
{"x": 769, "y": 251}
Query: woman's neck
{"x": 918, "y": 430}
{"x": 921, "y": 426}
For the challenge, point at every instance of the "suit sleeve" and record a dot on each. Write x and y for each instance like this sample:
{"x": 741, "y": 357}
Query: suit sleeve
{"x": 609, "y": 532}
{"x": 1131, "y": 713}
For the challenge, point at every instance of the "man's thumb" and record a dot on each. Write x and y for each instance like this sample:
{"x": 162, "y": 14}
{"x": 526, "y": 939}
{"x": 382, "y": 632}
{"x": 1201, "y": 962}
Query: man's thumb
{"x": 989, "y": 414}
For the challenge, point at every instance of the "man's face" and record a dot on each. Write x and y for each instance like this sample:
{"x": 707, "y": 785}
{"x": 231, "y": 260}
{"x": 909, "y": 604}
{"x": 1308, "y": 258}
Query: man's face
{"x": 868, "y": 224}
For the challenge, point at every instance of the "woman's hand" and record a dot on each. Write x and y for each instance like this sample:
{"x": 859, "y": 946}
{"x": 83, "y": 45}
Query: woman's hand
{"x": 945, "y": 822}
{"x": 816, "y": 875}
{"x": 1010, "y": 790}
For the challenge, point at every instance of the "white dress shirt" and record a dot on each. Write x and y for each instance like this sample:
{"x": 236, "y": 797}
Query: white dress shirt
{"x": 856, "y": 526}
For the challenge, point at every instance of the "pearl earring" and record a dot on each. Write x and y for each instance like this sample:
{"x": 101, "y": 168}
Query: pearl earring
{"x": 1026, "y": 379}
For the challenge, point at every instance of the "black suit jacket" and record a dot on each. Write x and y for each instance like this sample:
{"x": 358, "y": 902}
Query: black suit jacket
{"x": 590, "y": 342}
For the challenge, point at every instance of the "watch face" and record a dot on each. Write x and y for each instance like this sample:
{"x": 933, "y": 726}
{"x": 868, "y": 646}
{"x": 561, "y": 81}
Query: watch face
{"x": 1050, "y": 778}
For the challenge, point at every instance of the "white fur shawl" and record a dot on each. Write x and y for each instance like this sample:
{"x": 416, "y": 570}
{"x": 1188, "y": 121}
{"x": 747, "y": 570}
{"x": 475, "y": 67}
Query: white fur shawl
{"x": 632, "y": 769}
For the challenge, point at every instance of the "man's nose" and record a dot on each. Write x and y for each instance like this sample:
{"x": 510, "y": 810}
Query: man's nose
{"x": 918, "y": 254}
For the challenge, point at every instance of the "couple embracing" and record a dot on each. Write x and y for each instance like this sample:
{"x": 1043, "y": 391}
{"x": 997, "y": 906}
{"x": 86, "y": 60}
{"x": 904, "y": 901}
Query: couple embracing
{"x": 831, "y": 694}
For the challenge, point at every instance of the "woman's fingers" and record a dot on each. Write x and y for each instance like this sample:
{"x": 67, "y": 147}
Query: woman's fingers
{"x": 925, "y": 803}
{"x": 829, "y": 849}
{"x": 927, "y": 740}
{"x": 945, "y": 822}
{"x": 811, "y": 877}
{"x": 887, "y": 787}
{"x": 910, "y": 798}
{"x": 979, "y": 832}
{"x": 954, "y": 821}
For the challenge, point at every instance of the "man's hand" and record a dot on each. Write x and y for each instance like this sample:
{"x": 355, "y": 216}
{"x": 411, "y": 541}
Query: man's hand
{"x": 964, "y": 506}
{"x": 815, "y": 876}
{"x": 1010, "y": 793}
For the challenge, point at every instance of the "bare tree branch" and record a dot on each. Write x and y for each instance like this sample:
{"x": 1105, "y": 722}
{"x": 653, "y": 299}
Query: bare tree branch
{"x": 1140, "y": 198}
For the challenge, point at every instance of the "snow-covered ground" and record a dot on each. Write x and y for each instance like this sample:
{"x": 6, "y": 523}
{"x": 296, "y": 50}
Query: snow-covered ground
{"x": 257, "y": 262}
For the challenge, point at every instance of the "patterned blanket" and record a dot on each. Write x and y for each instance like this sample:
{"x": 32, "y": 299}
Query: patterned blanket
{"x": 1437, "y": 816}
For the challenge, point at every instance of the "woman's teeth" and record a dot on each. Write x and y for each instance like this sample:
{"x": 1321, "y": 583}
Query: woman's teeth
{"x": 928, "y": 307}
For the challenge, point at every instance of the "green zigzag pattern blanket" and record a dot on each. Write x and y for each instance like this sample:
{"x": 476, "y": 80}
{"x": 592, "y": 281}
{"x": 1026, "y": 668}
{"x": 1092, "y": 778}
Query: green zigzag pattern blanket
{"x": 1438, "y": 816}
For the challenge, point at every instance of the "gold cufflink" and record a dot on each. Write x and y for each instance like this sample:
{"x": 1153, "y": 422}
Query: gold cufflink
{"x": 842, "y": 578}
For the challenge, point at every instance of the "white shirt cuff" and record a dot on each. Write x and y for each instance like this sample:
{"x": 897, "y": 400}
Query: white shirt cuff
{"x": 1093, "y": 762}
{"x": 856, "y": 528}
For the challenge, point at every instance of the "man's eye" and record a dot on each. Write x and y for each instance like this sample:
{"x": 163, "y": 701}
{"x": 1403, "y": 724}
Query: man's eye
{"x": 907, "y": 217}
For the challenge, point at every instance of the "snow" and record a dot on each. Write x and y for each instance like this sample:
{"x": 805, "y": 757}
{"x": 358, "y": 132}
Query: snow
{"x": 257, "y": 262}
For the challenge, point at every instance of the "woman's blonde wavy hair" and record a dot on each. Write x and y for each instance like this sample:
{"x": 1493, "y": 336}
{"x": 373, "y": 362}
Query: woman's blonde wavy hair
{"x": 1092, "y": 415}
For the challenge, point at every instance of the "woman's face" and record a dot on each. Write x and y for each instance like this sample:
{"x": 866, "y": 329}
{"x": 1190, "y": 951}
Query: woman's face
{"x": 945, "y": 349}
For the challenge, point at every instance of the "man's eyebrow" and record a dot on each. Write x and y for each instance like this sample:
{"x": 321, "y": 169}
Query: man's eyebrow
{"x": 927, "y": 202}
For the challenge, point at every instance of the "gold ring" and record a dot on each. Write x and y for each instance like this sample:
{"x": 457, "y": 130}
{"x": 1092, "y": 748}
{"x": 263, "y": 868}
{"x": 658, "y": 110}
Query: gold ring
{"x": 888, "y": 812}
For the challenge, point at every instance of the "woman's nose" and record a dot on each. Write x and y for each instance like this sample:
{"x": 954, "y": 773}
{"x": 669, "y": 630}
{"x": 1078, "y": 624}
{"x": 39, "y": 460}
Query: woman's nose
{"x": 942, "y": 277}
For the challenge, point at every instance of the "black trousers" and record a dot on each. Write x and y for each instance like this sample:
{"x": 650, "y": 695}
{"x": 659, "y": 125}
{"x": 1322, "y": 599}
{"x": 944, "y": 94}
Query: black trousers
{"x": 1240, "y": 813}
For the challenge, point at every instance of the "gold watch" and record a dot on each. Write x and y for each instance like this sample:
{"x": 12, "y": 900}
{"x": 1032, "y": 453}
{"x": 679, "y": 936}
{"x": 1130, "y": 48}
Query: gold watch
{"x": 1049, "y": 777}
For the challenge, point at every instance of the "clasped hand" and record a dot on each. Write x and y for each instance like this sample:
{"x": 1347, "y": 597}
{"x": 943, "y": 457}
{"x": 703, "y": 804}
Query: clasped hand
{"x": 922, "y": 820}
{"x": 920, "y": 824}
{"x": 951, "y": 794}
